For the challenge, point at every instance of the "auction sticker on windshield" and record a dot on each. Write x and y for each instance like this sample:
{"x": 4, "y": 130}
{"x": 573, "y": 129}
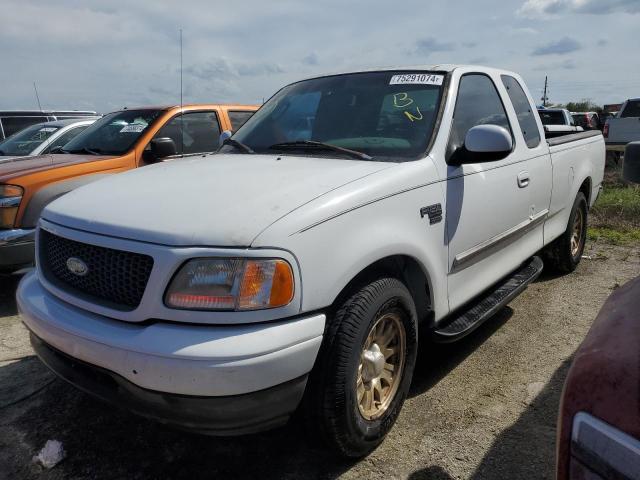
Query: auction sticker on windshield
{"x": 416, "y": 79}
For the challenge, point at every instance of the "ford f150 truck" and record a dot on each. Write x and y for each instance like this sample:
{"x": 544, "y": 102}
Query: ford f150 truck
{"x": 117, "y": 142}
{"x": 624, "y": 127}
{"x": 294, "y": 268}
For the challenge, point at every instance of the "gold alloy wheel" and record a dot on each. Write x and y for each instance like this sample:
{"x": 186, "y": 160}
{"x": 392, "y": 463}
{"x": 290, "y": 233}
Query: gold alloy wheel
{"x": 381, "y": 366}
{"x": 576, "y": 234}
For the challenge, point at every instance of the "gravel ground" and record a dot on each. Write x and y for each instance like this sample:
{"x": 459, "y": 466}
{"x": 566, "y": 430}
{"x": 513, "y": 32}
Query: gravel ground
{"x": 484, "y": 408}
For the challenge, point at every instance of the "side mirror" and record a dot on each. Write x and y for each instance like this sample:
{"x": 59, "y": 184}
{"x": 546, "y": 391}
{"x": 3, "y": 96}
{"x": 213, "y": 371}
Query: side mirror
{"x": 631, "y": 163}
{"x": 484, "y": 143}
{"x": 224, "y": 135}
{"x": 161, "y": 148}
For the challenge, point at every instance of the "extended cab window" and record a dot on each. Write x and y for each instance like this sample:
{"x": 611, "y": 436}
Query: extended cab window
{"x": 388, "y": 115}
{"x": 523, "y": 109}
{"x": 238, "y": 118}
{"x": 195, "y": 132}
{"x": 113, "y": 134}
{"x": 478, "y": 103}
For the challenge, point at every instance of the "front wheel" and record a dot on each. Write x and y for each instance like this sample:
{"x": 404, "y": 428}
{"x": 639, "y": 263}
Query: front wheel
{"x": 364, "y": 369}
{"x": 564, "y": 253}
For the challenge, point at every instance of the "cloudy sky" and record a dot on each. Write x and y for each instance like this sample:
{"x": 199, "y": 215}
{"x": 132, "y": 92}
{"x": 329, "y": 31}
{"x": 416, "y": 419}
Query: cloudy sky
{"x": 105, "y": 55}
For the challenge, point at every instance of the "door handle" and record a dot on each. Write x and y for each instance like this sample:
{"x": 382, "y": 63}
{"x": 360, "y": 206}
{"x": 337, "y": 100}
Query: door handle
{"x": 523, "y": 179}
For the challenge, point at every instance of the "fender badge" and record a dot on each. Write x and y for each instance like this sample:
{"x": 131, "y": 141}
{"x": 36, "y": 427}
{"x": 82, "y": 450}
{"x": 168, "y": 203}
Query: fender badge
{"x": 77, "y": 266}
{"x": 434, "y": 212}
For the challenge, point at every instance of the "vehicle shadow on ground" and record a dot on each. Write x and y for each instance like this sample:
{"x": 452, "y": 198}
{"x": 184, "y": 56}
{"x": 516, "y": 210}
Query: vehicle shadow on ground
{"x": 527, "y": 448}
{"x": 435, "y": 361}
{"x": 8, "y": 286}
{"x": 102, "y": 441}
{"x": 106, "y": 442}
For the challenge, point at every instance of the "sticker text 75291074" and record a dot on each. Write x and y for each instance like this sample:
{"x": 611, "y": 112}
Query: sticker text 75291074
{"x": 416, "y": 79}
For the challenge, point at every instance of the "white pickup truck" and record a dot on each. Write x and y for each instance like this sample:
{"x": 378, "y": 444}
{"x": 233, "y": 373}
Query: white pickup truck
{"x": 292, "y": 270}
{"x": 624, "y": 127}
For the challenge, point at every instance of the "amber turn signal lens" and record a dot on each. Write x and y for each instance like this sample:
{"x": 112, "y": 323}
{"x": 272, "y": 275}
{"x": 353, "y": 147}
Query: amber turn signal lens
{"x": 266, "y": 284}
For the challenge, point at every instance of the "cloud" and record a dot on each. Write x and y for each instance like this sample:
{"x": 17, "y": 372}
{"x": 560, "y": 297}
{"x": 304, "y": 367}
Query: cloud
{"x": 561, "y": 47}
{"x": 469, "y": 44}
{"x": 567, "y": 64}
{"x": 430, "y": 45}
{"x": 553, "y": 8}
{"x": 311, "y": 59}
{"x": 603, "y": 42}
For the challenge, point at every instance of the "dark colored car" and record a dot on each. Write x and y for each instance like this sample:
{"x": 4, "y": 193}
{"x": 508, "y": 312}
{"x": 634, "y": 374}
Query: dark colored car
{"x": 587, "y": 120}
{"x": 12, "y": 121}
{"x": 599, "y": 420}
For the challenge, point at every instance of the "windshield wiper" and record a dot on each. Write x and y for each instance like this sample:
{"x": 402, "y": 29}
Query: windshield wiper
{"x": 310, "y": 144}
{"x": 238, "y": 144}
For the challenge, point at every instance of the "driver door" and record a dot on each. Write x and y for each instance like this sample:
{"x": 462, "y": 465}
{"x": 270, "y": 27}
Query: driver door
{"x": 485, "y": 201}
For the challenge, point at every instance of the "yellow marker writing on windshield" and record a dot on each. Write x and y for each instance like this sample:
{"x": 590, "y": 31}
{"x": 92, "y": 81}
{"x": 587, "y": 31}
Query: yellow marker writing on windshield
{"x": 401, "y": 100}
{"x": 412, "y": 117}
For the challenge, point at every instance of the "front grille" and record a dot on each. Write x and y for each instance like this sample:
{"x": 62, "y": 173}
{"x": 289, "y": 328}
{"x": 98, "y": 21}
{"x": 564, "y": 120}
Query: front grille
{"x": 115, "y": 278}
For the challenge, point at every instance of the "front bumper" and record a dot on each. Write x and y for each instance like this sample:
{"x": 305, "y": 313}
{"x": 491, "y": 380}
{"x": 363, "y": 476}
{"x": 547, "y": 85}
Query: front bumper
{"x": 175, "y": 360}
{"x": 228, "y": 415}
{"x": 17, "y": 248}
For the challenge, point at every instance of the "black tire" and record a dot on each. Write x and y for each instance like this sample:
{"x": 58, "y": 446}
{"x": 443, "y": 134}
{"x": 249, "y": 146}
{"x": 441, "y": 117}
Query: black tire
{"x": 331, "y": 404}
{"x": 558, "y": 256}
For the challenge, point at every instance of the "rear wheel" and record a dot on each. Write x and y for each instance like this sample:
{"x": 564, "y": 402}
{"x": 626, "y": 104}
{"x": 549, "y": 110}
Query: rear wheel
{"x": 364, "y": 369}
{"x": 563, "y": 254}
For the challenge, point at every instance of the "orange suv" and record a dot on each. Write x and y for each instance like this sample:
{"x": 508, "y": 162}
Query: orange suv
{"x": 119, "y": 141}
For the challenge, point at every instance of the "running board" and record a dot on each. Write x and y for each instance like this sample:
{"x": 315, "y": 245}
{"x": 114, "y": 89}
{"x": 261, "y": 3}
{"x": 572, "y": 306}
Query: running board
{"x": 484, "y": 307}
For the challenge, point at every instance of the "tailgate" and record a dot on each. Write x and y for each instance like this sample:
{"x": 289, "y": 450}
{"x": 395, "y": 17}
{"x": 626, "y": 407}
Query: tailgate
{"x": 624, "y": 130}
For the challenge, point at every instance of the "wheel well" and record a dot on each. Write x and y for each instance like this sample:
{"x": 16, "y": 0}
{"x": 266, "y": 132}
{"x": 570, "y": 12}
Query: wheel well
{"x": 404, "y": 268}
{"x": 585, "y": 188}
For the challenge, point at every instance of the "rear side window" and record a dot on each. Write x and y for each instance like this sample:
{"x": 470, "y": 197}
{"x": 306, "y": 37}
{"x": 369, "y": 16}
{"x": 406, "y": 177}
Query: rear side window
{"x": 478, "y": 103}
{"x": 196, "y": 132}
{"x": 238, "y": 117}
{"x": 632, "y": 109}
{"x": 12, "y": 125}
{"x": 523, "y": 109}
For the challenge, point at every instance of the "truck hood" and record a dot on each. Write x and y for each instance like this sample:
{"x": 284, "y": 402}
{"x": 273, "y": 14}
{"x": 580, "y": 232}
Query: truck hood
{"x": 11, "y": 167}
{"x": 219, "y": 200}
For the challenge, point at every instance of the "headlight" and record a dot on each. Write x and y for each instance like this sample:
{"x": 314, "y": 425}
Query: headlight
{"x": 10, "y": 198}
{"x": 231, "y": 284}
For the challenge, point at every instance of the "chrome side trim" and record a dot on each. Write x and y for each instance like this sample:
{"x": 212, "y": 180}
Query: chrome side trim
{"x": 604, "y": 448}
{"x": 483, "y": 250}
{"x": 17, "y": 236}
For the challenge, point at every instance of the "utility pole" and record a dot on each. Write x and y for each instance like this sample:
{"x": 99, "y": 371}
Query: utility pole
{"x": 544, "y": 95}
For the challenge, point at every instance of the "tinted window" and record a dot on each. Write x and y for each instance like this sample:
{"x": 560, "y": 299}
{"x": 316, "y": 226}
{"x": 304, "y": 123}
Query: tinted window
{"x": 238, "y": 118}
{"x": 12, "y": 125}
{"x": 113, "y": 134}
{"x": 478, "y": 103}
{"x": 523, "y": 109}
{"x": 63, "y": 139}
{"x": 632, "y": 109}
{"x": 27, "y": 140}
{"x": 388, "y": 115}
{"x": 552, "y": 117}
{"x": 196, "y": 132}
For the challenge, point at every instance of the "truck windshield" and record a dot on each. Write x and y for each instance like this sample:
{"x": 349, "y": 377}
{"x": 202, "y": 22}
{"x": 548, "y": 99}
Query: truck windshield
{"x": 387, "y": 116}
{"x": 113, "y": 134}
{"x": 25, "y": 141}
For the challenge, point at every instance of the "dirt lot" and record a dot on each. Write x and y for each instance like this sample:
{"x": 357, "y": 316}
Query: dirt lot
{"x": 484, "y": 408}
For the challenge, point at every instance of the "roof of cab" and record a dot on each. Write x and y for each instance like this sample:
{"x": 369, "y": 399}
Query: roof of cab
{"x": 441, "y": 67}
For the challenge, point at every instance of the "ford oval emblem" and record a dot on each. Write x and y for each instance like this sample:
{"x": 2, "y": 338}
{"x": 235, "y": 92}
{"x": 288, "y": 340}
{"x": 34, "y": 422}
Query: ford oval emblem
{"x": 77, "y": 266}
